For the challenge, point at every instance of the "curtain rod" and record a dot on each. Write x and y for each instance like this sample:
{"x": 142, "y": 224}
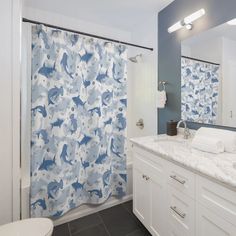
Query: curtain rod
{"x": 195, "y": 59}
{"x": 86, "y": 34}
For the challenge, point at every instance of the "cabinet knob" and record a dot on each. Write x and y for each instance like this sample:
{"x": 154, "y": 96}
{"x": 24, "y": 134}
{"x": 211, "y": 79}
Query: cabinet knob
{"x": 145, "y": 177}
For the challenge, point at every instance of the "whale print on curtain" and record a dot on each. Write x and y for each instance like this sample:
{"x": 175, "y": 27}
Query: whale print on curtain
{"x": 199, "y": 91}
{"x": 78, "y": 146}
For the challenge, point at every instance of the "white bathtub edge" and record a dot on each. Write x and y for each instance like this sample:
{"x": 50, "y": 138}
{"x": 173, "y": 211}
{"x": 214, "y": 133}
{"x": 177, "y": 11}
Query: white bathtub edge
{"x": 82, "y": 210}
{"x": 88, "y": 211}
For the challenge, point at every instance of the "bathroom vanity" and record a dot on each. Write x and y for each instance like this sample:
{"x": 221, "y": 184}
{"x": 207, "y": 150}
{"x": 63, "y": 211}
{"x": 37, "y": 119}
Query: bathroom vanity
{"x": 179, "y": 191}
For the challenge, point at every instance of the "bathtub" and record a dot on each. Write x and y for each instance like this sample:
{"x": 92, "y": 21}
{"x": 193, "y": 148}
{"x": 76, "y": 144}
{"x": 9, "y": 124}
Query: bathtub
{"x": 81, "y": 211}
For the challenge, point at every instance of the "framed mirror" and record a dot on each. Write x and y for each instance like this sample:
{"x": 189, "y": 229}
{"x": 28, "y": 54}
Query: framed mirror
{"x": 208, "y": 76}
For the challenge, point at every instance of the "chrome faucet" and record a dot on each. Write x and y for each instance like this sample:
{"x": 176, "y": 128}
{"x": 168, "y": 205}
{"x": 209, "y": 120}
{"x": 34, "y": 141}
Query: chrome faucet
{"x": 186, "y": 130}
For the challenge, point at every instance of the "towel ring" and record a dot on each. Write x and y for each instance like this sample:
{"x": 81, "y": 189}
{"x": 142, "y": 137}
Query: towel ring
{"x": 163, "y": 83}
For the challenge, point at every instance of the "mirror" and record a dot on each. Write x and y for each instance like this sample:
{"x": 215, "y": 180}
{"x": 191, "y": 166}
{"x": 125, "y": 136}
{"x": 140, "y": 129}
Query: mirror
{"x": 208, "y": 76}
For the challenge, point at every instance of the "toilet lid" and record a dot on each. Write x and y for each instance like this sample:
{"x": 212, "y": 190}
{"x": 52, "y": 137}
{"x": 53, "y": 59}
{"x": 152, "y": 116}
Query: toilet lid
{"x": 28, "y": 227}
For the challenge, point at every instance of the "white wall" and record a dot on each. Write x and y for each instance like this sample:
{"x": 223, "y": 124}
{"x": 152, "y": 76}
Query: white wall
{"x": 185, "y": 50}
{"x": 75, "y": 24}
{"x": 210, "y": 50}
{"x": 6, "y": 112}
{"x": 144, "y": 79}
{"x": 229, "y": 82}
{"x": 10, "y": 24}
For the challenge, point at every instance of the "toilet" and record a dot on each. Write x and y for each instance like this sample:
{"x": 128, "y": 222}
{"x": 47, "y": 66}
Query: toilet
{"x": 28, "y": 227}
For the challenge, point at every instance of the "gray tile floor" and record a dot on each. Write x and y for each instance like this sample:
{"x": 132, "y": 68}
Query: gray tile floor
{"x": 116, "y": 221}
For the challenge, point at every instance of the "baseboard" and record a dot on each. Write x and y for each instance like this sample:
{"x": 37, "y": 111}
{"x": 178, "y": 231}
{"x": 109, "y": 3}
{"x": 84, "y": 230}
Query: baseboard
{"x": 85, "y": 210}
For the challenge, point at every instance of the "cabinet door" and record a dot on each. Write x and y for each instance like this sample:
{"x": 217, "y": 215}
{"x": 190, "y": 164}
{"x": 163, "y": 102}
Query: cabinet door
{"x": 157, "y": 205}
{"x": 140, "y": 196}
{"x": 210, "y": 224}
{"x": 150, "y": 193}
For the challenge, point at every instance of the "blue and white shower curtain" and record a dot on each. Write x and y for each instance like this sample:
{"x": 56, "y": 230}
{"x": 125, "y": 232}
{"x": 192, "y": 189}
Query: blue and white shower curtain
{"x": 78, "y": 146}
{"x": 199, "y": 91}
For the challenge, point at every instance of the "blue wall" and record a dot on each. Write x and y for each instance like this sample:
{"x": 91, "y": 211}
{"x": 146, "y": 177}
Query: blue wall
{"x": 169, "y": 45}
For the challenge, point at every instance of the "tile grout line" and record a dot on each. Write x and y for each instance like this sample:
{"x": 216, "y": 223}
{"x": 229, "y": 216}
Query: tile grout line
{"x": 87, "y": 227}
{"x": 137, "y": 230}
{"x": 104, "y": 225}
{"x": 102, "y": 221}
{"x": 68, "y": 225}
{"x": 131, "y": 213}
{"x": 133, "y": 217}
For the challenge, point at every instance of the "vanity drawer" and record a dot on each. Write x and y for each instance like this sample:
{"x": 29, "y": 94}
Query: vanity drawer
{"x": 140, "y": 164}
{"x": 148, "y": 168}
{"x": 181, "y": 213}
{"x": 181, "y": 179}
{"x": 218, "y": 199}
{"x": 142, "y": 158}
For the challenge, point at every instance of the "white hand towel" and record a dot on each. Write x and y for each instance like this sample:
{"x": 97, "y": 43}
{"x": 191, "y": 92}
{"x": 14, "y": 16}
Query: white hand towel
{"x": 208, "y": 144}
{"x": 161, "y": 99}
{"x": 227, "y": 137}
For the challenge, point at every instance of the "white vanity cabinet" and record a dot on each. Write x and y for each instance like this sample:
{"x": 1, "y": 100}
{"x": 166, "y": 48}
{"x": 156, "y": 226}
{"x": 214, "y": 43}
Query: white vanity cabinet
{"x": 173, "y": 201}
{"x": 180, "y": 201}
{"x": 216, "y": 209}
{"x": 208, "y": 223}
{"x": 141, "y": 192}
{"x": 149, "y": 192}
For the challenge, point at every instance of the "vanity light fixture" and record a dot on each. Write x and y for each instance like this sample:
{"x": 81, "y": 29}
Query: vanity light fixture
{"x": 232, "y": 22}
{"x": 187, "y": 21}
{"x": 175, "y": 27}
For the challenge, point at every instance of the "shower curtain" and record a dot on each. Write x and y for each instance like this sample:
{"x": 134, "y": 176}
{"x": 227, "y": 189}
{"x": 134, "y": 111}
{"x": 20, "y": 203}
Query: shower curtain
{"x": 199, "y": 91}
{"x": 78, "y": 146}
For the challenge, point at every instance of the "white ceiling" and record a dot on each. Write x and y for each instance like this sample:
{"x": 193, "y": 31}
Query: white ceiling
{"x": 122, "y": 14}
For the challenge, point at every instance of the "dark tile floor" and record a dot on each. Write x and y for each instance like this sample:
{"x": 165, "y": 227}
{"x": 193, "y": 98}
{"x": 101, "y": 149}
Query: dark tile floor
{"x": 116, "y": 221}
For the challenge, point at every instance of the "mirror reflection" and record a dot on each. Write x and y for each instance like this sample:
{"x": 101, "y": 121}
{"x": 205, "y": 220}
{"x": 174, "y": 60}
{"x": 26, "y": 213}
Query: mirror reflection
{"x": 208, "y": 81}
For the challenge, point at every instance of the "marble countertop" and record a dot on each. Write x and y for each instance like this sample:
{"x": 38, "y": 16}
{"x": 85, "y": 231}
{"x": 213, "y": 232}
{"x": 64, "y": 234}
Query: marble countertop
{"x": 221, "y": 167}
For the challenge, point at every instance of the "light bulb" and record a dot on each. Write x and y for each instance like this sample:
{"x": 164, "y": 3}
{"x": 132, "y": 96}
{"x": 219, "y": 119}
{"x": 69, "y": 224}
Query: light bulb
{"x": 196, "y": 15}
{"x": 187, "y": 22}
{"x": 175, "y": 27}
{"x": 232, "y": 22}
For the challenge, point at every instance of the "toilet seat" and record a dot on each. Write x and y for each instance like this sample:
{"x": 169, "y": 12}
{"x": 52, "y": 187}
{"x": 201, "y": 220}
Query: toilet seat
{"x": 28, "y": 227}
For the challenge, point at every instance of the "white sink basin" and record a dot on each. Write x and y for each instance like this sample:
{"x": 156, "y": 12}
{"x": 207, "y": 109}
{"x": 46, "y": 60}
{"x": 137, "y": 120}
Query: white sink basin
{"x": 173, "y": 145}
{"x": 234, "y": 165}
{"x": 170, "y": 141}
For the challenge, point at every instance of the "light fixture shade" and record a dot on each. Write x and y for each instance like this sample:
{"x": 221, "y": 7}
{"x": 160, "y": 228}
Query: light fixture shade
{"x": 187, "y": 21}
{"x": 175, "y": 27}
{"x": 196, "y": 15}
{"x": 232, "y": 22}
